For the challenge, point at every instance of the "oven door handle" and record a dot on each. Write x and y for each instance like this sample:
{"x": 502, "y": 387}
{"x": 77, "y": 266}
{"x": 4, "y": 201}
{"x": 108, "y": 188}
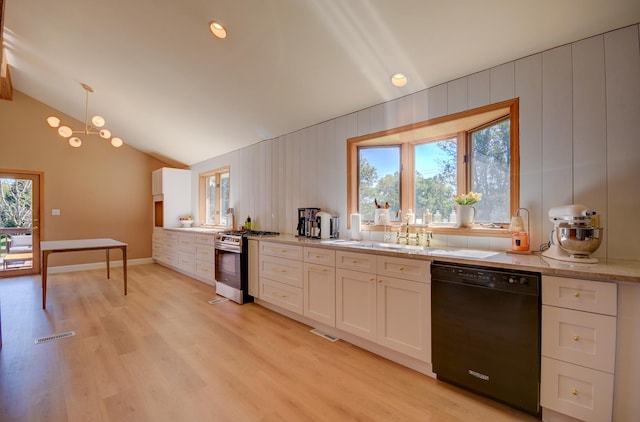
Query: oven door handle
{"x": 223, "y": 247}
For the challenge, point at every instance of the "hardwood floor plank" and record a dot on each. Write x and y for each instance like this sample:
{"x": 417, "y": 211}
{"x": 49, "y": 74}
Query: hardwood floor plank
{"x": 163, "y": 353}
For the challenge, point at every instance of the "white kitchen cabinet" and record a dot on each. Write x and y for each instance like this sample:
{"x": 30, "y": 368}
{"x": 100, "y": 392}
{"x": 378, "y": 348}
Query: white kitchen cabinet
{"x": 171, "y": 191}
{"x": 254, "y": 268}
{"x": 404, "y": 316}
{"x": 189, "y": 253}
{"x": 320, "y": 293}
{"x": 320, "y": 285}
{"x": 356, "y": 302}
{"x": 394, "y": 312}
{"x": 578, "y": 347}
{"x": 281, "y": 275}
{"x": 205, "y": 258}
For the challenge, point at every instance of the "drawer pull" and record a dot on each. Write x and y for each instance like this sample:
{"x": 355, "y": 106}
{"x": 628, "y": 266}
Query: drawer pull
{"x": 354, "y": 261}
{"x": 317, "y": 269}
{"x": 281, "y": 250}
{"x": 401, "y": 268}
{"x": 279, "y": 270}
{"x": 372, "y": 279}
{"x": 576, "y": 294}
{"x": 574, "y": 391}
{"x": 576, "y": 338}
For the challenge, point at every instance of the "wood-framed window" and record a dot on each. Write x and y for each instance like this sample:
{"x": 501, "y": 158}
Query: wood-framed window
{"x": 420, "y": 167}
{"x": 214, "y": 196}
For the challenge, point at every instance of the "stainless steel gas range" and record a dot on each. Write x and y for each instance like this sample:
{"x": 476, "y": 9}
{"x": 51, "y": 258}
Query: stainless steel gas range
{"x": 232, "y": 263}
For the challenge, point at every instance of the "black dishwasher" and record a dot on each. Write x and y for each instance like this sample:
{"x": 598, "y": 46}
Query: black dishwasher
{"x": 486, "y": 332}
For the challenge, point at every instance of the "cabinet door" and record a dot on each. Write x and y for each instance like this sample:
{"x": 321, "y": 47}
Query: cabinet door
{"x": 404, "y": 317}
{"x": 356, "y": 303}
{"x": 254, "y": 265}
{"x": 320, "y": 293}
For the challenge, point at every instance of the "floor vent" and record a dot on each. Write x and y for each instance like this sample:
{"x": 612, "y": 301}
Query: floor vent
{"x": 214, "y": 301}
{"x": 54, "y": 337}
{"x": 324, "y": 335}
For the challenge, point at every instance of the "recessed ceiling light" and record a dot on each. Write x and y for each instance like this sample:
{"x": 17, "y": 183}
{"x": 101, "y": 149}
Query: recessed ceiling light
{"x": 217, "y": 30}
{"x": 399, "y": 80}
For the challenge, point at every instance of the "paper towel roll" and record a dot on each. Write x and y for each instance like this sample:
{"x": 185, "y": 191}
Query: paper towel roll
{"x": 356, "y": 228}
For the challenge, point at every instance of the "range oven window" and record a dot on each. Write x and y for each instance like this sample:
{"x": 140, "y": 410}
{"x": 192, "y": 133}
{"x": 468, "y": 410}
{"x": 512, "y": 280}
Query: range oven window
{"x": 228, "y": 268}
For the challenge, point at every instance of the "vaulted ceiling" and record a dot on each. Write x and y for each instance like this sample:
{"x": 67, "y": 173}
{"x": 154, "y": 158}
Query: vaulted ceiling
{"x": 167, "y": 87}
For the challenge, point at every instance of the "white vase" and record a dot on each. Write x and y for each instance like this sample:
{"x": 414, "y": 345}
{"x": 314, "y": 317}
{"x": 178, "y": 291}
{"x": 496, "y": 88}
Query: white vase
{"x": 465, "y": 215}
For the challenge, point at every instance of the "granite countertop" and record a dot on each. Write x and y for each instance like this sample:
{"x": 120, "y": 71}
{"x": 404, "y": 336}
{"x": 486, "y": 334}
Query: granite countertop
{"x": 605, "y": 269}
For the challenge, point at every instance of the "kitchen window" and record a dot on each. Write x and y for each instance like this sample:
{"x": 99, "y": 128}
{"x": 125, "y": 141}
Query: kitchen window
{"x": 421, "y": 166}
{"x": 214, "y": 187}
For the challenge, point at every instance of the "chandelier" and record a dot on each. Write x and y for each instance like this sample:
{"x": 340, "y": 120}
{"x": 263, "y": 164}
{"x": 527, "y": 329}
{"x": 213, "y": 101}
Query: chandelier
{"x": 89, "y": 129}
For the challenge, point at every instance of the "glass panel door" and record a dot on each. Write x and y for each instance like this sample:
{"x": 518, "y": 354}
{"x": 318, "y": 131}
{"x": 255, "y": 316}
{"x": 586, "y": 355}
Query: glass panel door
{"x": 19, "y": 223}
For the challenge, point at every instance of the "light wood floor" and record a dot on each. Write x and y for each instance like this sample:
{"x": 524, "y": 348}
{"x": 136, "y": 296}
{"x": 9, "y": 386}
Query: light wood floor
{"x": 163, "y": 353}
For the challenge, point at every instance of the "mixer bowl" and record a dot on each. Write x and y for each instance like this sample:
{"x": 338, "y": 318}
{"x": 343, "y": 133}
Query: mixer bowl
{"x": 579, "y": 241}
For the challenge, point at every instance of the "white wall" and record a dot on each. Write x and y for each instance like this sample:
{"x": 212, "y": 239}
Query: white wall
{"x": 579, "y": 142}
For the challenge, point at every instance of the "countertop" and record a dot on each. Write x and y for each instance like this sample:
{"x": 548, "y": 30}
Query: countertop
{"x": 605, "y": 270}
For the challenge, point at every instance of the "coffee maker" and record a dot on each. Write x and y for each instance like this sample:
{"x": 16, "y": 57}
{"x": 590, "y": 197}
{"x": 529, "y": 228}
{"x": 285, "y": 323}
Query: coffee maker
{"x": 307, "y": 222}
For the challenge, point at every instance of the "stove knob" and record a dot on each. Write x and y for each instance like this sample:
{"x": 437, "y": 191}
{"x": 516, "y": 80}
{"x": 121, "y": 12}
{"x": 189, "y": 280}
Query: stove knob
{"x": 524, "y": 281}
{"x": 511, "y": 280}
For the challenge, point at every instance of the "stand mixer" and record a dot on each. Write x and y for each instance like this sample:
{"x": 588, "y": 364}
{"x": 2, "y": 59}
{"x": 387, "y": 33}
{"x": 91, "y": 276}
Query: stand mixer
{"x": 575, "y": 235}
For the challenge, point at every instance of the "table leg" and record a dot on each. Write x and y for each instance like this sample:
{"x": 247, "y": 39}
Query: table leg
{"x": 108, "y": 266}
{"x": 124, "y": 266}
{"x": 45, "y": 258}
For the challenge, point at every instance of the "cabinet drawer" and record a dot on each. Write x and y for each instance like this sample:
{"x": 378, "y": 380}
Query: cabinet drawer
{"x": 356, "y": 261}
{"x": 320, "y": 256}
{"x": 186, "y": 243}
{"x": 281, "y": 294}
{"x": 205, "y": 239}
{"x": 170, "y": 235}
{"x": 407, "y": 269}
{"x": 186, "y": 261}
{"x": 282, "y": 270}
{"x": 584, "y": 393}
{"x": 205, "y": 252}
{"x": 281, "y": 250}
{"x": 578, "y": 337}
{"x": 583, "y": 295}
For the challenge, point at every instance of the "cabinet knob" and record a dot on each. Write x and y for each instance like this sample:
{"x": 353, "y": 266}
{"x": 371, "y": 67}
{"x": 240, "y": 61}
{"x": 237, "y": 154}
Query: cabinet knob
{"x": 372, "y": 279}
{"x": 574, "y": 391}
{"x": 401, "y": 268}
{"x": 576, "y": 294}
{"x": 576, "y": 338}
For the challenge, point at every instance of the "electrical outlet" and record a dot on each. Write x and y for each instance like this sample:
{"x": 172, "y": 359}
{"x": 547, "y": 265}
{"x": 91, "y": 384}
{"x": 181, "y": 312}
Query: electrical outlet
{"x": 55, "y": 211}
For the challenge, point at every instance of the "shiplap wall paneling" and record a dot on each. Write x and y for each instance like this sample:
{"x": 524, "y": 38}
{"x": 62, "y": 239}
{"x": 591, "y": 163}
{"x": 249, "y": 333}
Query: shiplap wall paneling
{"x": 323, "y": 169}
{"x": 375, "y": 118}
{"x": 364, "y": 120}
{"x": 438, "y": 101}
{"x": 502, "y": 82}
{"x": 623, "y": 149}
{"x": 340, "y": 135}
{"x": 528, "y": 86}
{"x": 276, "y": 196}
{"x": 590, "y": 129}
{"x": 390, "y": 115}
{"x": 479, "y": 89}
{"x": 297, "y": 175}
{"x": 457, "y": 96}
{"x": 288, "y": 225}
{"x": 310, "y": 172}
{"x": 557, "y": 151}
{"x": 420, "y": 106}
{"x": 405, "y": 111}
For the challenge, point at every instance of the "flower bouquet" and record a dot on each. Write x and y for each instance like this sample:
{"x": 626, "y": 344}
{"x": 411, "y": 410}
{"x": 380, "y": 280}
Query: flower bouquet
{"x": 467, "y": 198}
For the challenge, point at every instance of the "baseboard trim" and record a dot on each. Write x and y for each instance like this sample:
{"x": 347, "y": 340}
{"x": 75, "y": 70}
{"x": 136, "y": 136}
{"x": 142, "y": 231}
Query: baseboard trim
{"x": 97, "y": 265}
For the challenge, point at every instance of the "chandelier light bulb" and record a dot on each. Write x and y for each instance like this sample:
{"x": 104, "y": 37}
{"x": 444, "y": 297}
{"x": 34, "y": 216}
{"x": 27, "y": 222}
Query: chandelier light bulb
{"x": 217, "y": 30}
{"x": 98, "y": 121}
{"x": 105, "y": 133}
{"x": 116, "y": 142}
{"x": 65, "y": 131}
{"x": 53, "y": 121}
{"x": 75, "y": 142}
